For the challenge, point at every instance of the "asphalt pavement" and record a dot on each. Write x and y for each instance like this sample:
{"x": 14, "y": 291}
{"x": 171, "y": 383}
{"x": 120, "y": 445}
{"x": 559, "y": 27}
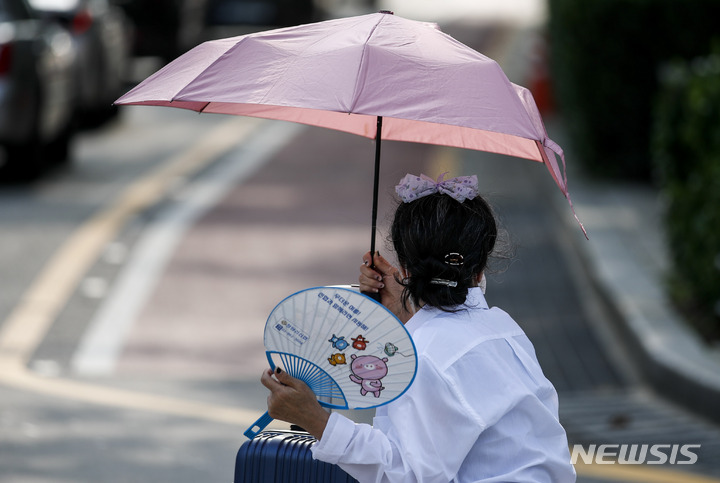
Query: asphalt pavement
{"x": 156, "y": 379}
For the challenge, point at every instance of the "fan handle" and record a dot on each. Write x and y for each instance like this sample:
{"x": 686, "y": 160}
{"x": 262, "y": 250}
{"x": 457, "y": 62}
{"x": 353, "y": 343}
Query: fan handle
{"x": 260, "y": 424}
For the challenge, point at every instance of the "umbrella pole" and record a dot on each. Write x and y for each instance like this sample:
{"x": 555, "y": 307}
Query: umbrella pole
{"x": 376, "y": 188}
{"x": 376, "y": 184}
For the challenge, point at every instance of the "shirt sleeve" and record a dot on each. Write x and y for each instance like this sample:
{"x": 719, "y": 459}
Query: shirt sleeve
{"x": 423, "y": 436}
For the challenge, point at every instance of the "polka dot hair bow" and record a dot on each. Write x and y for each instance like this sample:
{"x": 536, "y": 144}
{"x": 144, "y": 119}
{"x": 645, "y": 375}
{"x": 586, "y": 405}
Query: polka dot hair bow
{"x": 412, "y": 187}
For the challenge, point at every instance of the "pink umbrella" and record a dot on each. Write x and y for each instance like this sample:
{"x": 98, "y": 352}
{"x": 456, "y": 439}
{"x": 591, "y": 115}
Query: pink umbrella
{"x": 379, "y": 76}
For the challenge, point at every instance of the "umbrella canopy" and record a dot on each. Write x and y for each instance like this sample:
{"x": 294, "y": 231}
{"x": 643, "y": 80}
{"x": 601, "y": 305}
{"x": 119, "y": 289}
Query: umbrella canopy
{"x": 348, "y": 74}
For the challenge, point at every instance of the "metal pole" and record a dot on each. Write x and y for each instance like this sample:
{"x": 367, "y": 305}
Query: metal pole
{"x": 376, "y": 185}
{"x": 376, "y": 188}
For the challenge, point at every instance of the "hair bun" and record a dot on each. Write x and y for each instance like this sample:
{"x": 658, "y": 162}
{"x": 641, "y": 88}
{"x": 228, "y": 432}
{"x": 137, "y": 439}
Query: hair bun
{"x": 444, "y": 245}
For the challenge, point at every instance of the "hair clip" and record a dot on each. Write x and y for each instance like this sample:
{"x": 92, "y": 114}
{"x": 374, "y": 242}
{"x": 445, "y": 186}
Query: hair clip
{"x": 442, "y": 281}
{"x": 454, "y": 259}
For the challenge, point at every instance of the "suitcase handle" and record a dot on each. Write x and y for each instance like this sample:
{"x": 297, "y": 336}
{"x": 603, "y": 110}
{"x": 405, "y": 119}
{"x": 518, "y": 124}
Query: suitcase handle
{"x": 260, "y": 424}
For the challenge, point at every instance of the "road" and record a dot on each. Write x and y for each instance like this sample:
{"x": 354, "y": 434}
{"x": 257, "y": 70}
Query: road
{"x": 136, "y": 285}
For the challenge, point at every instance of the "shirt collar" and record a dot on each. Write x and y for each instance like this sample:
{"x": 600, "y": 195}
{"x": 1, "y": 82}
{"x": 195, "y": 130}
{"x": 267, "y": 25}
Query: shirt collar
{"x": 475, "y": 301}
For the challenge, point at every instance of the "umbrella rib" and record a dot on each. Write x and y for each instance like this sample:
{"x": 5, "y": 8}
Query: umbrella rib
{"x": 362, "y": 63}
{"x": 233, "y": 47}
{"x": 287, "y": 67}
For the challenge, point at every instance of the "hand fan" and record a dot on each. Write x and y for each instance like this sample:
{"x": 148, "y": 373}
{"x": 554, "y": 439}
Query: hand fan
{"x": 350, "y": 350}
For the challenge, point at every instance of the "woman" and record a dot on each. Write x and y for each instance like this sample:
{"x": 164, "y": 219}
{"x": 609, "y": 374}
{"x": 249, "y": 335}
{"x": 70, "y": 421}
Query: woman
{"x": 480, "y": 408}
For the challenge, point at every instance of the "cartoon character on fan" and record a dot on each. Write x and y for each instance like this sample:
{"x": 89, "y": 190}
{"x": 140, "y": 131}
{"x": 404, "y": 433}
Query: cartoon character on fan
{"x": 368, "y": 371}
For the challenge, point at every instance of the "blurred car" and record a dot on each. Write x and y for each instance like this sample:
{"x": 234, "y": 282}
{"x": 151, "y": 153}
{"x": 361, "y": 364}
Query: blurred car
{"x": 101, "y": 33}
{"x": 165, "y": 28}
{"x": 265, "y": 13}
{"x": 37, "y": 91}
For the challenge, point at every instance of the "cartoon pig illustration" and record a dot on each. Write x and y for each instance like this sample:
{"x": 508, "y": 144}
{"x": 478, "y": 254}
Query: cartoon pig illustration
{"x": 368, "y": 372}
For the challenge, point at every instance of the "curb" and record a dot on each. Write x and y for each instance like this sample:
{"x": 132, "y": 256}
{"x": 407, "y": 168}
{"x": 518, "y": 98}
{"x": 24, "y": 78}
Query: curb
{"x": 626, "y": 261}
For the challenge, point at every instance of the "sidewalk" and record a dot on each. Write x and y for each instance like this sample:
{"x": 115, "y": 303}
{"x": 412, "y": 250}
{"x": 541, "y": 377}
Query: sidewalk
{"x": 627, "y": 260}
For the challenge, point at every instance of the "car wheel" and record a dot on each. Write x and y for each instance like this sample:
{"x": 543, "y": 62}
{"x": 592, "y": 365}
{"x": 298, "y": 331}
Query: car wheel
{"x": 22, "y": 162}
{"x": 97, "y": 118}
{"x": 57, "y": 151}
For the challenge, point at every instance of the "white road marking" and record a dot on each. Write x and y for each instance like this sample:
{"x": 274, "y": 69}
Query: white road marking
{"x": 102, "y": 344}
{"x": 28, "y": 323}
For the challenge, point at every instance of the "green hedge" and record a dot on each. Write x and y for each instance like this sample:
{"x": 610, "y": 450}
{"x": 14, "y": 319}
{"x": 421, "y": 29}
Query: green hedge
{"x": 604, "y": 60}
{"x": 686, "y": 142}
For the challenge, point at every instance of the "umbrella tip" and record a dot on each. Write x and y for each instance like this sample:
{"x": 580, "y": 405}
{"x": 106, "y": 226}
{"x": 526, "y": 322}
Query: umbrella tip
{"x": 387, "y": 11}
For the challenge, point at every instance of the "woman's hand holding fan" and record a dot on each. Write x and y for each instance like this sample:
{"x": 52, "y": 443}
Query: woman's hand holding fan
{"x": 292, "y": 400}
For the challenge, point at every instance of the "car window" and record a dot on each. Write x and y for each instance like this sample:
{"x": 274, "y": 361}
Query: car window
{"x": 14, "y": 10}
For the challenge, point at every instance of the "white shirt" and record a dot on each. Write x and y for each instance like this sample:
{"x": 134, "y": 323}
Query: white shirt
{"x": 480, "y": 409}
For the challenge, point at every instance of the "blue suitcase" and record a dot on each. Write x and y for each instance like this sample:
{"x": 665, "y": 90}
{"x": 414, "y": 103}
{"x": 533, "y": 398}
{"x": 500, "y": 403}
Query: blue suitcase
{"x": 284, "y": 457}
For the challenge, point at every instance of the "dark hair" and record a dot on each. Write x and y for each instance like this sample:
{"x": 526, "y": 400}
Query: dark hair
{"x": 424, "y": 234}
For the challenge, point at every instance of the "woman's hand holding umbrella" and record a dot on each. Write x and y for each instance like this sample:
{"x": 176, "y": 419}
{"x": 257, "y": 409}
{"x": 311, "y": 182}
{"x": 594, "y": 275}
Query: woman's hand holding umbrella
{"x": 378, "y": 276}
